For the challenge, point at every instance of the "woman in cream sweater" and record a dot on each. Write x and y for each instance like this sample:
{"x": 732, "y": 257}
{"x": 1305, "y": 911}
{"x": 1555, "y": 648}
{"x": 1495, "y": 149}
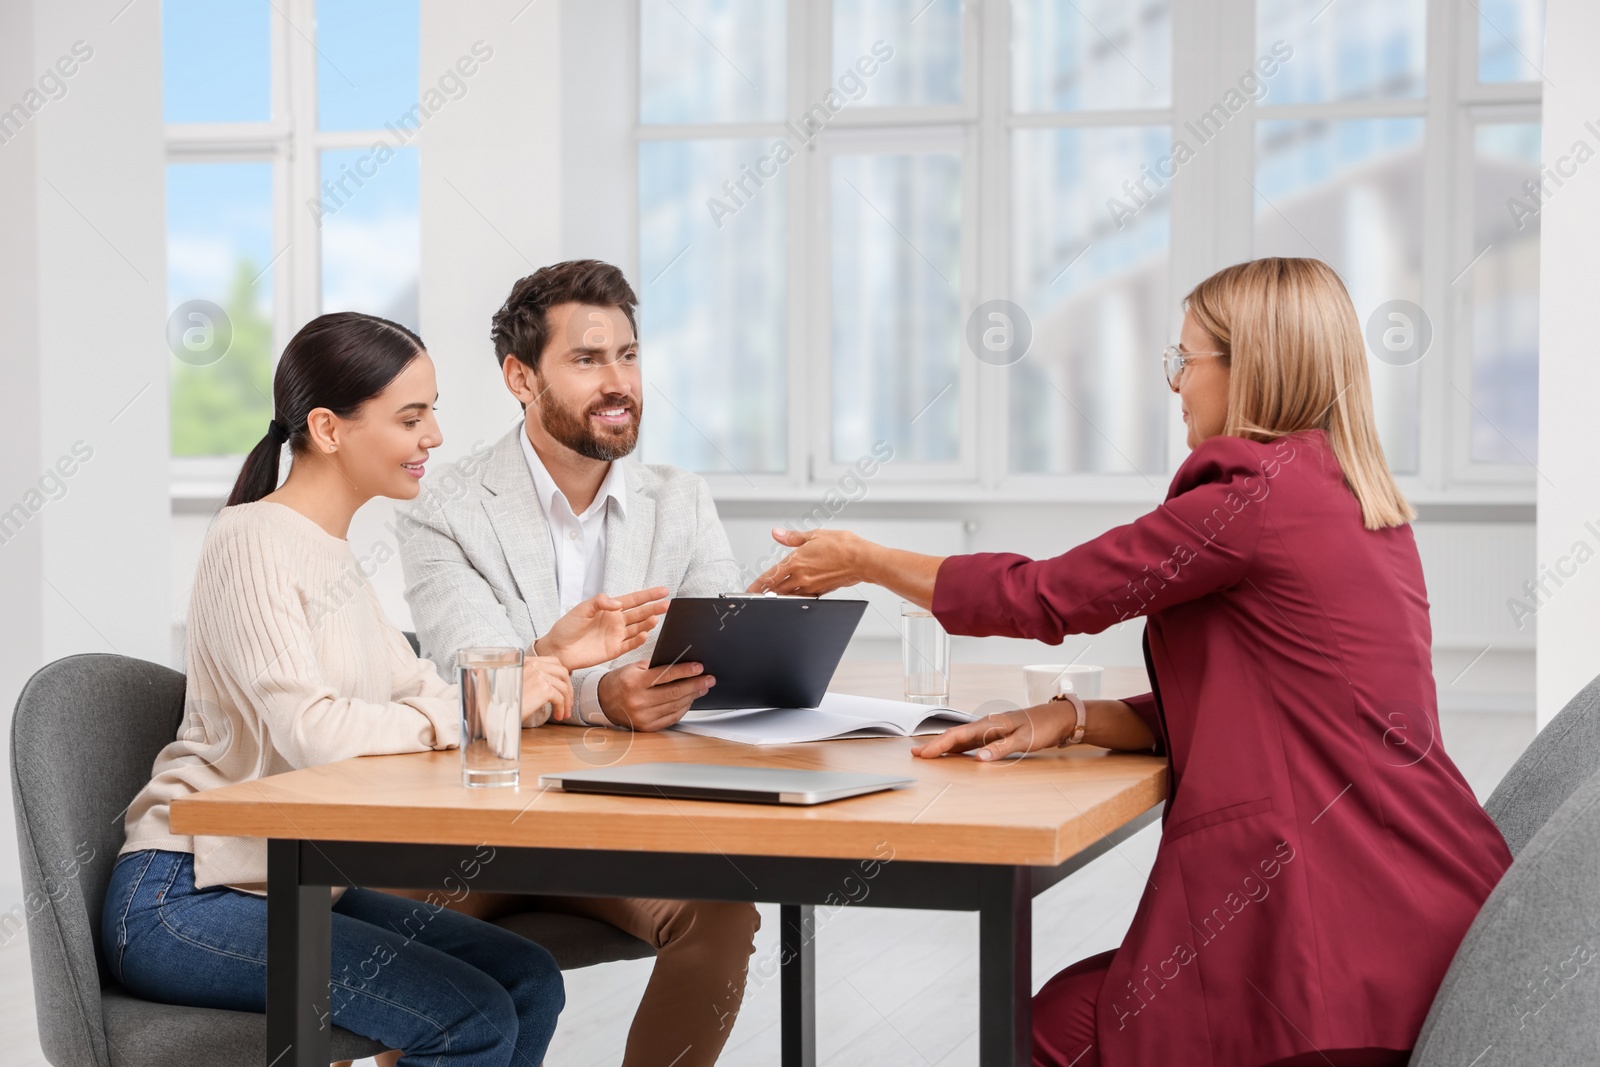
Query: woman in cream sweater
{"x": 291, "y": 663}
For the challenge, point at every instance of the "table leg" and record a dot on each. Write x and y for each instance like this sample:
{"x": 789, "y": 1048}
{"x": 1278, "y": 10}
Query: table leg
{"x": 797, "y": 964}
{"x": 1005, "y": 969}
{"x": 299, "y": 956}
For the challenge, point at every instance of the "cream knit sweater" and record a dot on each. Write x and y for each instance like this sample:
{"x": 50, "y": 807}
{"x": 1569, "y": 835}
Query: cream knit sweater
{"x": 291, "y": 664}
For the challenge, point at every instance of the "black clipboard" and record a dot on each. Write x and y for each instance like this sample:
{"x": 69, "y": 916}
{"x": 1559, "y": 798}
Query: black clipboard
{"x": 764, "y": 651}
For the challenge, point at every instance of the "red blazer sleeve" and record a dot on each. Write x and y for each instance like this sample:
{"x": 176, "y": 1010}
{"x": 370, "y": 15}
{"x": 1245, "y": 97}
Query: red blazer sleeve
{"x": 1200, "y": 539}
{"x": 1144, "y": 706}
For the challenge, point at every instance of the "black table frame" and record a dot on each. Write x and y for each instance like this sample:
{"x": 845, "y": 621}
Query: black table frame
{"x": 299, "y": 918}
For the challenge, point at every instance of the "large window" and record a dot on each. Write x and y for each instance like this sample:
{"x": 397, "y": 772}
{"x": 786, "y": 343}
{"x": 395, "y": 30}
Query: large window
{"x": 965, "y": 230}
{"x": 1090, "y": 264}
{"x": 714, "y": 226}
{"x": 291, "y": 190}
{"x": 1339, "y": 176}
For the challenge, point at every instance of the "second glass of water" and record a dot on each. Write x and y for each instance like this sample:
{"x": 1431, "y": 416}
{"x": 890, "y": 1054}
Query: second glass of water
{"x": 491, "y": 715}
{"x": 925, "y": 655}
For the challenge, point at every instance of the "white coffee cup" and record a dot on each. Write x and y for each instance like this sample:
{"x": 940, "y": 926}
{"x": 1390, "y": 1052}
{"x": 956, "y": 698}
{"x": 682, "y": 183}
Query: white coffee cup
{"x": 1044, "y": 680}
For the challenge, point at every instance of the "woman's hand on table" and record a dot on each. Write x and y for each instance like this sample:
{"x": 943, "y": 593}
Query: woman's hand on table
{"x": 545, "y": 681}
{"x": 1006, "y": 733}
{"x": 1109, "y": 724}
{"x": 602, "y": 628}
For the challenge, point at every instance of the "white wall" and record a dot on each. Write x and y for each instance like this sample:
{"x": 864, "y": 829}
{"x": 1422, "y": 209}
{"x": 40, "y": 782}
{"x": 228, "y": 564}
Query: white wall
{"x": 22, "y": 554}
{"x": 600, "y": 196}
{"x": 491, "y": 197}
{"x": 1569, "y": 366}
{"x": 82, "y": 308}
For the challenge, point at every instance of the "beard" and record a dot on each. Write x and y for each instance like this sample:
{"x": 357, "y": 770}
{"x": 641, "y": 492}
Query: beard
{"x": 574, "y": 429}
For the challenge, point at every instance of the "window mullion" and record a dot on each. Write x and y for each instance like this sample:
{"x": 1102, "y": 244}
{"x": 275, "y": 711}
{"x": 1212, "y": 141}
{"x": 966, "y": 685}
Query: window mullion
{"x": 993, "y": 164}
{"x": 810, "y": 77}
{"x": 1213, "y": 206}
{"x": 805, "y": 401}
{"x": 304, "y": 256}
{"x": 1446, "y": 231}
{"x": 284, "y": 270}
{"x": 634, "y": 89}
{"x": 1233, "y": 29}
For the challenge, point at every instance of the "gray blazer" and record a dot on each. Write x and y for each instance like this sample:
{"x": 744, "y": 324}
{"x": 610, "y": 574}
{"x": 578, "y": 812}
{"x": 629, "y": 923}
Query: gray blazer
{"x": 479, "y": 568}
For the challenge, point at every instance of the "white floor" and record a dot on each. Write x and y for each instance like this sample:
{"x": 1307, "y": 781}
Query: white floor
{"x": 894, "y": 987}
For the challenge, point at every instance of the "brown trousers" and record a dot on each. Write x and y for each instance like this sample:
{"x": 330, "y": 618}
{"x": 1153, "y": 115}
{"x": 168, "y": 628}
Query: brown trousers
{"x": 697, "y": 985}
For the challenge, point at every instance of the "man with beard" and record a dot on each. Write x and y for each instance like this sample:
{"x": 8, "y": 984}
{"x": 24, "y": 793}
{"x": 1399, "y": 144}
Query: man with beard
{"x": 555, "y": 514}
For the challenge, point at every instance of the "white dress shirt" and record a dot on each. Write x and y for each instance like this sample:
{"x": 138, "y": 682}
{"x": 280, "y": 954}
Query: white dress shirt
{"x": 579, "y": 545}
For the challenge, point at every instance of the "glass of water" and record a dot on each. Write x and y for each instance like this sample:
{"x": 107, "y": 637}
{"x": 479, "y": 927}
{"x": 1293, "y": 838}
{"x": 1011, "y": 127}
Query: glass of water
{"x": 925, "y": 655}
{"x": 491, "y": 715}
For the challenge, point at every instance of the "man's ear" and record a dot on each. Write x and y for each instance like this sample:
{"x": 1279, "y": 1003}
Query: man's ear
{"x": 520, "y": 380}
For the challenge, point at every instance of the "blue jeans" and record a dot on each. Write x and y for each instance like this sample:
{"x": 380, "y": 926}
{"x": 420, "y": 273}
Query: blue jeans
{"x": 448, "y": 989}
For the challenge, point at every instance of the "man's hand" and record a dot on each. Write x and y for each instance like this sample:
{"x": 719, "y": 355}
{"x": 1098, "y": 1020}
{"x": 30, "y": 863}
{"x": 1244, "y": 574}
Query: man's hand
{"x": 645, "y": 698}
{"x": 602, "y": 628}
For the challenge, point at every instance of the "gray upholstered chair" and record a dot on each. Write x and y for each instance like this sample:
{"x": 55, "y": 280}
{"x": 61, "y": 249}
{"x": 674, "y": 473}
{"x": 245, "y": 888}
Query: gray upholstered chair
{"x": 86, "y": 731}
{"x": 1562, "y": 757}
{"x": 1524, "y": 987}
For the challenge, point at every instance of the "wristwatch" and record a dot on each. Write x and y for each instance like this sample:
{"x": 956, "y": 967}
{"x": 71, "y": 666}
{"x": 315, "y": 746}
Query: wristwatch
{"x": 1082, "y": 718}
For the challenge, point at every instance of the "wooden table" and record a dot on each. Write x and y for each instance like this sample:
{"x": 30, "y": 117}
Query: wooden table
{"x": 967, "y": 836}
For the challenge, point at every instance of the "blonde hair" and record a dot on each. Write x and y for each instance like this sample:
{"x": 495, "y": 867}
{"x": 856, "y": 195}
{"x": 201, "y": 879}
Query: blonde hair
{"x": 1297, "y": 361}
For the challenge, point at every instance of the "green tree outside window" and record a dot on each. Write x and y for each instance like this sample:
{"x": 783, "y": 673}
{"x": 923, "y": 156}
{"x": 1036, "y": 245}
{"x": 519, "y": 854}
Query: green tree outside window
{"x": 222, "y": 408}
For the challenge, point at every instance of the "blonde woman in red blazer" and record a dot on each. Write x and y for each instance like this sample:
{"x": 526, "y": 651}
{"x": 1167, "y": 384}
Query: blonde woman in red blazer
{"x": 1321, "y": 857}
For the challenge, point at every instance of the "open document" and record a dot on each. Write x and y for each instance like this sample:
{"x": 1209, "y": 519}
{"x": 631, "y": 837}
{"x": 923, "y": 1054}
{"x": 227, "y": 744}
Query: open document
{"x": 839, "y": 715}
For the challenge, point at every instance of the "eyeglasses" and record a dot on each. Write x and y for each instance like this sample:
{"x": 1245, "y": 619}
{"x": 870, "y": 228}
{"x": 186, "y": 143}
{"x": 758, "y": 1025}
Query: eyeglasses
{"x": 1173, "y": 360}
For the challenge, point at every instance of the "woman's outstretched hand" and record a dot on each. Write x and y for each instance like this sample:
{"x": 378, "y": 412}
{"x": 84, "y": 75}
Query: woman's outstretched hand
{"x": 822, "y": 561}
{"x": 1005, "y": 734}
{"x": 602, "y": 628}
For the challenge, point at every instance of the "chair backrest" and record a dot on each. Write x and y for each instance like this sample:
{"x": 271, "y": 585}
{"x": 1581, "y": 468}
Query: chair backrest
{"x": 1564, "y": 755}
{"x": 1526, "y": 979}
{"x": 85, "y": 735}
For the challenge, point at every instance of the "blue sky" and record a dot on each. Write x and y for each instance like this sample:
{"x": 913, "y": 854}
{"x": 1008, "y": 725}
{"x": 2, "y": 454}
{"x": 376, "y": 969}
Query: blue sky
{"x": 217, "y": 69}
{"x": 217, "y": 56}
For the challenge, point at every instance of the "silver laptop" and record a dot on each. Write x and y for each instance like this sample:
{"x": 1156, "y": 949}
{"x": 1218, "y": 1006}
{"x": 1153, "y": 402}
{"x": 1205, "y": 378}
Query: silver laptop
{"x": 715, "y": 781}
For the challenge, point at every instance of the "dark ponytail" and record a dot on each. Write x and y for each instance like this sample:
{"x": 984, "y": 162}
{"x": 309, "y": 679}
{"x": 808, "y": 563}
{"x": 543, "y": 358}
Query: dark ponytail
{"x": 338, "y": 362}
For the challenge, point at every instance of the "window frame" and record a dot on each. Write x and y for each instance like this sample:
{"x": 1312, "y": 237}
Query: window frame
{"x": 1435, "y": 109}
{"x": 1477, "y": 103}
{"x": 1212, "y": 223}
{"x": 895, "y": 140}
{"x": 292, "y": 142}
{"x": 1086, "y": 487}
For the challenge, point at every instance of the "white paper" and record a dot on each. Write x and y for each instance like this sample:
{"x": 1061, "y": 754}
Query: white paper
{"x": 840, "y": 715}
